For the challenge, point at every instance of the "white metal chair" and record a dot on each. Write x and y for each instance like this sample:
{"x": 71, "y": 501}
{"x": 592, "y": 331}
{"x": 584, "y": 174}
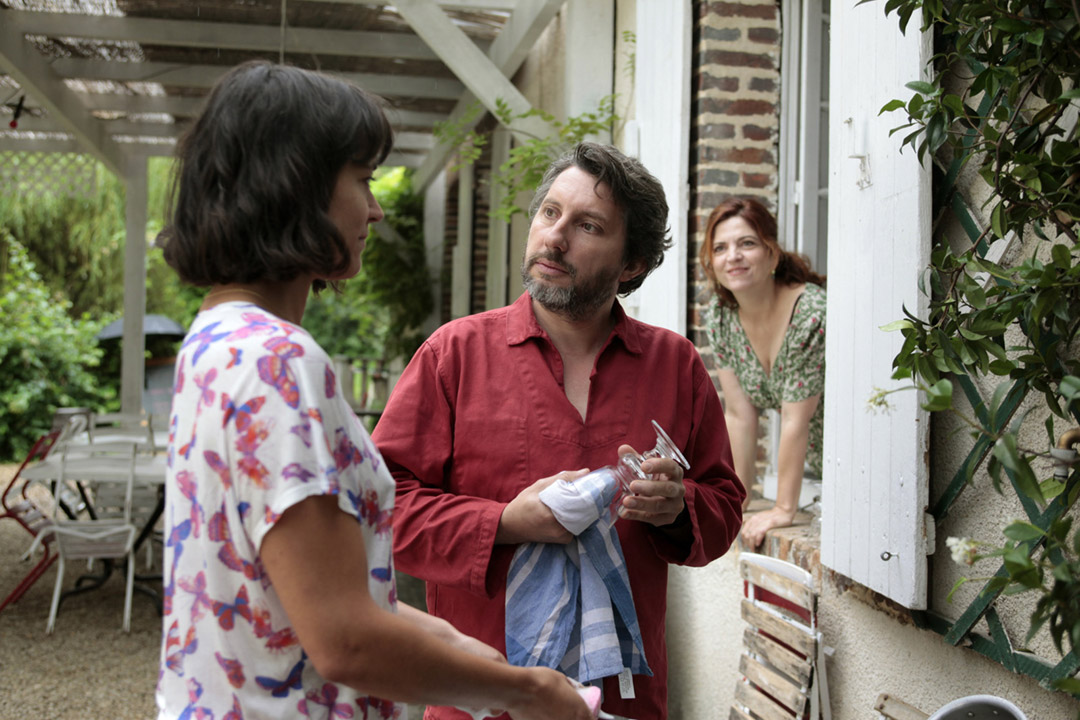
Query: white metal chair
{"x": 103, "y": 538}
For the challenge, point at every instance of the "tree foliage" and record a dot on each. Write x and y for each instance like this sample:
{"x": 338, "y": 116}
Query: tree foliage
{"x": 1002, "y": 95}
{"x": 378, "y": 314}
{"x": 45, "y": 355}
{"x": 524, "y": 169}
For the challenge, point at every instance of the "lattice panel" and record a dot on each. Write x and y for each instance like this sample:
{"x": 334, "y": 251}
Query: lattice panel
{"x": 70, "y": 174}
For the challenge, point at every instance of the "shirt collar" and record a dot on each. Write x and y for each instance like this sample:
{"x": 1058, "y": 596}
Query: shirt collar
{"x": 521, "y": 325}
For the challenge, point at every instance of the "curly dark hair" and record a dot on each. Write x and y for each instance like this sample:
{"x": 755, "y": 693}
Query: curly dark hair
{"x": 635, "y": 192}
{"x": 793, "y": 269}
{"x": 257, "y": 170}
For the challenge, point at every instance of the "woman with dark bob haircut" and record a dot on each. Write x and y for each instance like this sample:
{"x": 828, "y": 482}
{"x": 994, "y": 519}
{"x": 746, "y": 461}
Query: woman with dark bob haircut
{"x": 767, "y": 327}
{"x": 279, "y": 578}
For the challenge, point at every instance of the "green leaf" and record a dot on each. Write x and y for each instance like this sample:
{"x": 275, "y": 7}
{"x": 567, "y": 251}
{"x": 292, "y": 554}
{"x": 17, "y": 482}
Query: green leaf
{"x": 939, "y": 396}
{"x": 1001, "y": 367}
{"x": 897, "y": 325}
{"x": 955, "y": 587}
{"x": 997, "y": 220}
{"x": 1061, "y": 255}
{"x": 891, "y": 106}
{"x": 1069, "y": 387}
{"x": 1022, "y": 532}
{"x": 921, "y": 86}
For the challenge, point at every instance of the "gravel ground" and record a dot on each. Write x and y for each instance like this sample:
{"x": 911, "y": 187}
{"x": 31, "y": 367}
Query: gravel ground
{"x": 89, "y": 667}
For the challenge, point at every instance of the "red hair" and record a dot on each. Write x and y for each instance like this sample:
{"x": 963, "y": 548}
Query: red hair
{"x": 793, "y": 269}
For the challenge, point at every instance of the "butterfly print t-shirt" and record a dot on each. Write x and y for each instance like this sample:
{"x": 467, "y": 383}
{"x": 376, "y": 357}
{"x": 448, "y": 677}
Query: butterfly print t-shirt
{"x": 258, "y": 424}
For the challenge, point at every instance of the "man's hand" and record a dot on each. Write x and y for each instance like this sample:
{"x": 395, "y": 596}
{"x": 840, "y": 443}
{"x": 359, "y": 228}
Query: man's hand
{"x": 526, "y": 519}
{"x": 659, "y": 499}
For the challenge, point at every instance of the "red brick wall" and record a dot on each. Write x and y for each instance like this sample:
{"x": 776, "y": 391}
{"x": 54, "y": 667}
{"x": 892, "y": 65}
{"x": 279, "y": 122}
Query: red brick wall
{"x": 735, "y": 103}
{"x": 735, "y": 128}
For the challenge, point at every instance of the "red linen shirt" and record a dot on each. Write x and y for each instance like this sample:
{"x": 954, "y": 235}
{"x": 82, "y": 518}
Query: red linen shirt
{"x": 481, "y": 413}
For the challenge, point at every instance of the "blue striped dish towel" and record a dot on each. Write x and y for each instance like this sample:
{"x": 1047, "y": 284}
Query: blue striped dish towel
{"x": 569, "y": 606}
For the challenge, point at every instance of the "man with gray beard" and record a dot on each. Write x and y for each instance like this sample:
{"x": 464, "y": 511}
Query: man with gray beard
{"x": 496, "y": 406}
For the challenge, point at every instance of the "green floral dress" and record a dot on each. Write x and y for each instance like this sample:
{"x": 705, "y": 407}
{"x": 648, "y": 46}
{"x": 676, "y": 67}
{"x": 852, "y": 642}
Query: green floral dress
{"x": 799, "y": 372}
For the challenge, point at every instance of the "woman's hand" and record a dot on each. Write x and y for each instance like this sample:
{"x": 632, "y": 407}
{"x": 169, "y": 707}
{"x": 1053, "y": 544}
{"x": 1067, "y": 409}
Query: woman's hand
{"x": 755, "y": 526}
{"x": 556, "y": 696}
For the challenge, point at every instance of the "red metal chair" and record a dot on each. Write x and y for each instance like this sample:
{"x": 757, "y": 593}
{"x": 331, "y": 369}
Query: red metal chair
{"x": 16, "y": 504}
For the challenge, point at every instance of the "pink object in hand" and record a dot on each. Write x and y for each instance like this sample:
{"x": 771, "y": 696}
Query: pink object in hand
{"x": 591, "y": 696}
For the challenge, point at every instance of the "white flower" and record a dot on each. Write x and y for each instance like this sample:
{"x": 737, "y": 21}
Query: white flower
{"x": 962, "y": 549}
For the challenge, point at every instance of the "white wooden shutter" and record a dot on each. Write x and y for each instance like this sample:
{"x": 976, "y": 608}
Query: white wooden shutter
{"x": 875, "y": 465}
{"x": 662, "y": 111}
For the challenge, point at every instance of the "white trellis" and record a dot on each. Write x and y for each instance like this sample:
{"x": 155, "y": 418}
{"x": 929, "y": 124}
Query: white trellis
{"x": 38, "y": 174}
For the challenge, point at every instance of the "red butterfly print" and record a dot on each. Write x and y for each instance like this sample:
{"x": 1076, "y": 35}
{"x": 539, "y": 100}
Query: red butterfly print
{"x": 218, "y": 465}
{"x": 345, "y": 452}
{"x": 218, "y": 531}
{"x": 208, "y": 395}
{"x": 258, "y": 324}
{"x": 236, "y": 713}
{"x": 234, "y": 671}
{"x": 274, "y": 369}
{"x": 367, "y": 510}
{"x": 175, "y": 661}
{"x": 191, "y": 712}
{"x": 247, "y": 443}
{"x": 185, "y": 449}
{"x": 326, "y": 697}
{"x": 302, "y": 431}
{"x": 226, "y": 612}
{"x": 329, "y": 382}
{"x": 186, "y": 482}
{"x": 385, "y": 708}
{"x": 197, "y": 587}
{"x": 296, "y": 470}
{"x": 275, "y": 639}
{"x": 242, "y": 413}
{"x": 235, "y": 359}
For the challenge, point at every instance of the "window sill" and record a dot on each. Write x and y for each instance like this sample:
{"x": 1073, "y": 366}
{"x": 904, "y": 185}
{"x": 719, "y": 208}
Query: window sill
{"x": 798, "y": 544}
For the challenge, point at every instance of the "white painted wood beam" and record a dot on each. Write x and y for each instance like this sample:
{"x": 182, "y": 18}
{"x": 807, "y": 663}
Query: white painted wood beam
{"x": 507, "y": 52}
{"x": 108, "y": 127}
{"x": 24, "y": 63}
{"x": 204, "y": 76}
{"x": 475, "y": 70}
{"x": 154, "y": 31}
{"x": 481, "y": 5}
{"x": 413, "y": 141}
{"x": 406, "y": 159}
{"x": 190, "y": 107}
{"x": 461, "y": 257}
{"x": 590, "y": 43}
{"x": 132, "y": 352}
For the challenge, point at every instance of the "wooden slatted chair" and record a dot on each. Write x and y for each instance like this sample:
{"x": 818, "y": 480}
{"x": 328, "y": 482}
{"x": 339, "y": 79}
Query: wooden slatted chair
{"x": 783, "y": 662}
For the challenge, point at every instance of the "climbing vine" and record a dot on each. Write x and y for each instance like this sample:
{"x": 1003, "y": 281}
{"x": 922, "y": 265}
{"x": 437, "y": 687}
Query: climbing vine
{"x": 1002, "y": 97}
{"x": 524, "y": 169}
